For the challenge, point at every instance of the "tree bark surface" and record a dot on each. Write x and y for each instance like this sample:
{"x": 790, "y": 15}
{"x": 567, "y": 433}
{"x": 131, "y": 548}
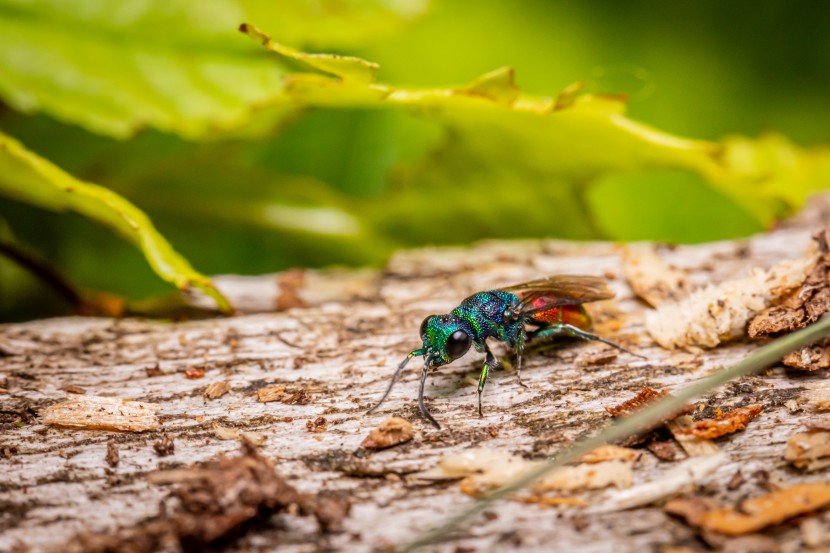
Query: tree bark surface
{"x": 338, "y": 338}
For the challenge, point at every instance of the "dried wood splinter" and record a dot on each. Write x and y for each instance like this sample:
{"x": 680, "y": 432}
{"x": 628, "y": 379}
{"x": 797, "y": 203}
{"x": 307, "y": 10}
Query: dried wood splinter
{"x": 102, "y": 413}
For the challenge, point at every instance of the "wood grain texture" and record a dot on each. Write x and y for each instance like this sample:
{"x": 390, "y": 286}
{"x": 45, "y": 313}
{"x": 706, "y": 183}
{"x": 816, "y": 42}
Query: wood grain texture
{"x": 340, "y": 348}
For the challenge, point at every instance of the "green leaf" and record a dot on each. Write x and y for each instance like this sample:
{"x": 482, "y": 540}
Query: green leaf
{"x": 26, "y": 177}
{"x": 346, "y": 67}
{"x": 174, "y": 65}
{"x": 577, "y": 139}
{"x": 668, "y": 205}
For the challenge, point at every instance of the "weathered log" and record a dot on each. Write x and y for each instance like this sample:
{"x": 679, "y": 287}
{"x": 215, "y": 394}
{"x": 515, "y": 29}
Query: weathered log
{"x": 338, "y": 345}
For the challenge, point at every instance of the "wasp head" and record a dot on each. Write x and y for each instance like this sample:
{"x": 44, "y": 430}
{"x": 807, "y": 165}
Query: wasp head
{"x": 445, "y": 339}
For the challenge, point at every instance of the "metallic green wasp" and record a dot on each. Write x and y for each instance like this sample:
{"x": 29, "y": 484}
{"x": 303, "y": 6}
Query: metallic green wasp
{"x": 516, "y": 314}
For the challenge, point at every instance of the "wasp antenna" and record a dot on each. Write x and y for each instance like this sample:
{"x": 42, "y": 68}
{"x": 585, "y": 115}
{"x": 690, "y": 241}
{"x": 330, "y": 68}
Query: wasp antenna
{"x": 421, "y": 405}
{"x": 395, "y": 377}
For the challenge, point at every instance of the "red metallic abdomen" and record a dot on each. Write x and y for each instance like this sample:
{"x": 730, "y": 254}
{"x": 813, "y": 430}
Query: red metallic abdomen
{"x": 575, "y": 315}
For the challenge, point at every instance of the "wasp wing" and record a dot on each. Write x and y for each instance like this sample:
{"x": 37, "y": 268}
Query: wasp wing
{"x": 546, "y": 293}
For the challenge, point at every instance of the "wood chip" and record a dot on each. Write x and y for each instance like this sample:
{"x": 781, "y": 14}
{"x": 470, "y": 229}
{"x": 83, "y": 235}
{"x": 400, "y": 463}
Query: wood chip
{"x": 736, "y": 481}
{"x": 279, "y": 393}
{"x": 487, "y": 469}
{"x": 727, "y": 423}
{"x": 548, "y": 501}
{"x": 225, "y": 433}
{"x": 651, "y": 278}
{"x": 601, "y": 357}
{"x": 693, "y": 445}
{"x": 810, "y": 358}
{"x": 165, "y": 446}
{"x": 690, "y": 472}
{"x": 818, "y": 395}
{"x": 153, "y": 371}
{"x": 291, "y": 283}
{"x": 112, "y": 457}
{"x": 809, "y": 450}
{"x": 391, "y": 432}
{"x": 690, "y": 509}
{"x": 217, "y": 389}
{"x": 194, "y": 373}
{"x": 610, "y": 453}
{"x": 770, "y": 509}
{"x": 318, "y": 425}
{"x": 815, "y": 533}
{"x": 73, "y": 390}
{"x": 102, "y": 413}
{"x": 667, "y": 450}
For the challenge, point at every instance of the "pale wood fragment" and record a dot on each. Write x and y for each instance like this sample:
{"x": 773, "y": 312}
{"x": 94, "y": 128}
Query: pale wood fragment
{"x": 102, "y": 413}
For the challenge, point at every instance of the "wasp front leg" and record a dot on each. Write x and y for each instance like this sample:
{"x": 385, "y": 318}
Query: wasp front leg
{"x": 490, "y": 362}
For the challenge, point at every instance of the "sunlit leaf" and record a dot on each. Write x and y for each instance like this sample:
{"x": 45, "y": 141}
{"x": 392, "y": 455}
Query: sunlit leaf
{"x": 576, "y": 140}
{"x": 174, "y": 65}
{"x": 26, "y": 177}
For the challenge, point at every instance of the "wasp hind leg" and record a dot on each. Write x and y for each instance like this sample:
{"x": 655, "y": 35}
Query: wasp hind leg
{"x": 570, "y": 330}
{"x": 520, "y": 346}
{"x": 490, "y": 362}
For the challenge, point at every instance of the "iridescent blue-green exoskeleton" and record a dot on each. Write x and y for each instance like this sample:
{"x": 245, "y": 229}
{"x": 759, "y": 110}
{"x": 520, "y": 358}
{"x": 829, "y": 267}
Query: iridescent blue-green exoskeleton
{"x": 529, "y": 311}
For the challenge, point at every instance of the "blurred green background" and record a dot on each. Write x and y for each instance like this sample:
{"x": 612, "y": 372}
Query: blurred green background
{"x": 270, "y": 184}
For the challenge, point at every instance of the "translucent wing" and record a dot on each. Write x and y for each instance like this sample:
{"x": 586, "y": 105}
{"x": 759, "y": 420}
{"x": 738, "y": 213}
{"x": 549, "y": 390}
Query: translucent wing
{"x": 545, "y": 293}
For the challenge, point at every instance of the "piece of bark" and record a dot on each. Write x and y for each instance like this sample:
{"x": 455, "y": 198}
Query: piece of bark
{"x": 815, "y": 532}
{"x": 216, "y": 501}
{"x": 610, "y": 453}
{"x": 810, "y": 358}
{"x": 217, "y": 389}
{"x": 805, "y": 304}
{"x": 693, "y": 445}
{"x": 318, "y": 425}
{"x": 391, "y": 432}
{"x": 225, "y": 433}
{"x": 818, "y": 395}
{"x": 487, "y": 469}
{"x": 281, "y": 394}
{"x": 164, "y": 446}
{"x": 194, "y": 373}
{"x": 809, "y": 450}
{"x": 727, "y": 423}
{"x": 767, "y": 510}
{"x": 112, "y": 457}
{"x": 685, "y": 474}
{"x": 665, "y": 450}
{"x": 102, "y": 413}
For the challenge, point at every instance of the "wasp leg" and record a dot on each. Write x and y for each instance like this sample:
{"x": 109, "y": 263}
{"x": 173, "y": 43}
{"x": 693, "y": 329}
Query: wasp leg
{"x": 421, "y": 405}
{"x": 490, "y": 362}
{"x": 520, "y": 346}
{"x": 570, "y": 330}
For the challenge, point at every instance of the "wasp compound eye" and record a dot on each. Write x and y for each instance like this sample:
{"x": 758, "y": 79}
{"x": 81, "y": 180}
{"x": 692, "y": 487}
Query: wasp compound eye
{"x": 424, "y": 326}
{"x": 458, "y": 344}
